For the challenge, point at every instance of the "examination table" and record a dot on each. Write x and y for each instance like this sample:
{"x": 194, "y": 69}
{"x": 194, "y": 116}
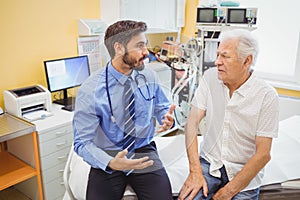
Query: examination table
{"x": 284, "y": 165}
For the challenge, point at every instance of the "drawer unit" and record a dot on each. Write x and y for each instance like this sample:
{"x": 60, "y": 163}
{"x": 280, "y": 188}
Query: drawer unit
{"x": 53, "y": 173}
{"x": 54, "y": 154}
{"x": 55, "y": 132}
{"x": 55, "y": 140}
{"x": 55, "y": 158}
{"x": 56, "y": 144}
{"x": 55, "y": 189}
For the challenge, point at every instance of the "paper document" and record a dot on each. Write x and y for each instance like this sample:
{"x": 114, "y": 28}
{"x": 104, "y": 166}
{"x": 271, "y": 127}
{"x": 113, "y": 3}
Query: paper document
{"x": 35, "y": 115}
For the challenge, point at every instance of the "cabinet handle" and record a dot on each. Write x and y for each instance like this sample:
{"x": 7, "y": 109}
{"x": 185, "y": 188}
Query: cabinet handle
{"x": 62, "y": 157}
{"x": 60, "y": 133}
{"x": 61, "y": 171}
{"x": 61, "y": 144}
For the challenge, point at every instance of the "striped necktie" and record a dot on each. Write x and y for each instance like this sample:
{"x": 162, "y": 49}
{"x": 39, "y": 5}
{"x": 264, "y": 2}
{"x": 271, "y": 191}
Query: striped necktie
{"x": 129, "y": 125}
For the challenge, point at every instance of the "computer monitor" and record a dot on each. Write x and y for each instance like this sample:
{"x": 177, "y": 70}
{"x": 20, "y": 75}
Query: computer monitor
{"x": 65, "y": 73}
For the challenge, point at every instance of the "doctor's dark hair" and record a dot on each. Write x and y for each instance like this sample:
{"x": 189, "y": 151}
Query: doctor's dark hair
{"x": 122, "y": 32}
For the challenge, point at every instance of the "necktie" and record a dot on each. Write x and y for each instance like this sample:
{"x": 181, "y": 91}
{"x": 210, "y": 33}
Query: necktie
{"x": 129, "y": 126}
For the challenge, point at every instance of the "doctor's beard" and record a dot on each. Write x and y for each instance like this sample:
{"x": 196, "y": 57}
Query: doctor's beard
{"x": 134, "y": 64}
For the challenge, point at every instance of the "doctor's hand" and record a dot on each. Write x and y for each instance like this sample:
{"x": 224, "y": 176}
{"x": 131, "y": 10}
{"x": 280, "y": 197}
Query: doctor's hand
{"x": 121, "y": 162}
{"x": 168, "y": 120}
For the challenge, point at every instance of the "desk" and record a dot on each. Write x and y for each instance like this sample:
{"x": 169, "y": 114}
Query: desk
{"x": 12, "y": 169}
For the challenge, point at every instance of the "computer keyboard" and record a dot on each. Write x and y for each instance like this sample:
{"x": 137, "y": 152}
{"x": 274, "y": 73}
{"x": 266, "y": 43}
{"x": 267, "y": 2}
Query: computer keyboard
{"x": 69, "y": 107}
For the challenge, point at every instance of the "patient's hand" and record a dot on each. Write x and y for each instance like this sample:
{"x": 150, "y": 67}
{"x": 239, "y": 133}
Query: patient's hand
{"x": 121, "y": 162}
{"x": 194, "y": 182}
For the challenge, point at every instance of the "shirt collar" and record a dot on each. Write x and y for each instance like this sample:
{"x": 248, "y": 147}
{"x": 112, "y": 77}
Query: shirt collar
{"x": 121, "y": 78}
{"x": 245, "y": 87}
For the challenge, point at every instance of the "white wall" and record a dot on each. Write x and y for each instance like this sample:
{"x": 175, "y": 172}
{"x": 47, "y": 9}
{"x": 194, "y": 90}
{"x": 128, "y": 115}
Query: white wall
{"x": 288, "y": 106}
{"x": 278, "y": 31}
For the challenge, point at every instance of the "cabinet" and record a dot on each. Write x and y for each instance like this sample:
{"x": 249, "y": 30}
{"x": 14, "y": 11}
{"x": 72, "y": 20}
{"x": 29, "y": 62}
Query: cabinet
{"x": 160, "y": 16}
{"x": 13, "y": 168}
{"x": 55, "y": 139}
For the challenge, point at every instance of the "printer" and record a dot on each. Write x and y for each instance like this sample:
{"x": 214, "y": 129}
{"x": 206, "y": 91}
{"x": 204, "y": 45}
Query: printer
{"x": 27, "y": 101}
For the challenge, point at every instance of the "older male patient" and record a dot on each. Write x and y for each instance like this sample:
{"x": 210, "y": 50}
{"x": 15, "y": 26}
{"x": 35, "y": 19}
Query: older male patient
{"x": 241, "y": 113}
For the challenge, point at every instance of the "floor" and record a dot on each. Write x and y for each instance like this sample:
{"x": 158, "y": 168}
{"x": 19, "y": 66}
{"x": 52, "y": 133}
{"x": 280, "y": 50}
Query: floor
{"x": 12, "y": 194}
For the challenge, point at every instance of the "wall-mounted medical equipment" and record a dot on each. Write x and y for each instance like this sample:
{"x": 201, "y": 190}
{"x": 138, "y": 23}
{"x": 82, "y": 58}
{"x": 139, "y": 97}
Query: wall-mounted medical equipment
{"x": 34, "y": 101}
{"x": 237, "y": 15}
{"x": 183, "y": 59}
{"x": 211, "y": 21}
{"x": 226, "y": 15}
{"x": 208, "y": 16}
{"x": 199, "y": 53}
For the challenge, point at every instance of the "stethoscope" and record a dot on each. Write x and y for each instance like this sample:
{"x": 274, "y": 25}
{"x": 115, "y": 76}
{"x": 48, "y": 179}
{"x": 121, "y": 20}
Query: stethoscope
{"x": 139, "y": 78}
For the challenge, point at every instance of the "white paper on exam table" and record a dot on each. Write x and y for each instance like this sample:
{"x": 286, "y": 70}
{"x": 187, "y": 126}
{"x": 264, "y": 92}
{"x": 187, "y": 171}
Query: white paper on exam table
{"x": 35, "y": 115}
{"x": 285, "y": 163}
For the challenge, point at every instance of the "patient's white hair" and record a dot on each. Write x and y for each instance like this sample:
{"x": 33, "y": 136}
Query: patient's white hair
{"x": 248, "y": 44}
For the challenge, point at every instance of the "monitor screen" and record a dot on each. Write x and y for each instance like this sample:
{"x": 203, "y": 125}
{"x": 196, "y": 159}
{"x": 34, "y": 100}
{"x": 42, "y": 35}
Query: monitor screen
{"x": 206, "y": 15}
{"x": 237, "y": 16}
{"x": 65, "y": 73}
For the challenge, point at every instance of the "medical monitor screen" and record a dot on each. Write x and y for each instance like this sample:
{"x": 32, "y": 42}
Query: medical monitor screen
{"x": 206, "y": 15}
{"x": 65, "y": 73}
{"x": 237, "y": 16}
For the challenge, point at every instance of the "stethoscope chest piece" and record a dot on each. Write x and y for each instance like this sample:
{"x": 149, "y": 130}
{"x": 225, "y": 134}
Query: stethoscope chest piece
{"x": 112, "y": 118}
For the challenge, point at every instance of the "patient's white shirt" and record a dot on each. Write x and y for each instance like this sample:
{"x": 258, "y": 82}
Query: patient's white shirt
{"x": 231, "y": 124}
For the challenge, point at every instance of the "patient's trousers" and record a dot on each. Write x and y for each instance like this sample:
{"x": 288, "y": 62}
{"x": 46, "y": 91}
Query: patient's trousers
{"x": 151, "y": 183}
{"x": 214, "y": 184}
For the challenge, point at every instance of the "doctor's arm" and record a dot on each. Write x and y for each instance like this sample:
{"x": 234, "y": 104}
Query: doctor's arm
{"x": 195, "y": 181}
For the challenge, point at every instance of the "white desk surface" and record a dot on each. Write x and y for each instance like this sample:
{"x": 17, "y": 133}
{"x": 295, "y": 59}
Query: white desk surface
{"x": 59, "y": 118}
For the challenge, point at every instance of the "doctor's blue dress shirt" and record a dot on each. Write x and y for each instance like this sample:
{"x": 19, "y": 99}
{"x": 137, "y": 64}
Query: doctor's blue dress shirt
{"x": 94, "y": 132}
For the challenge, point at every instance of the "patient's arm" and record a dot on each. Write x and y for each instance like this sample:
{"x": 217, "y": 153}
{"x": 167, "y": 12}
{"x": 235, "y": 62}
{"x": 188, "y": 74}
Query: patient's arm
{"x": 249, "y": 171}
{"x": 195, "y": 180}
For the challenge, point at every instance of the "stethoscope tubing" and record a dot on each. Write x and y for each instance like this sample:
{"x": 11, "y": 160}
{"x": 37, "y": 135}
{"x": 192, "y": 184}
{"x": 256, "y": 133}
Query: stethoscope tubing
{"x": 136, "y": 80}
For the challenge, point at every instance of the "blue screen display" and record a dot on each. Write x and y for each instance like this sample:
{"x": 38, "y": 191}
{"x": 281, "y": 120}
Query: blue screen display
{"x": 66, "y": 73}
